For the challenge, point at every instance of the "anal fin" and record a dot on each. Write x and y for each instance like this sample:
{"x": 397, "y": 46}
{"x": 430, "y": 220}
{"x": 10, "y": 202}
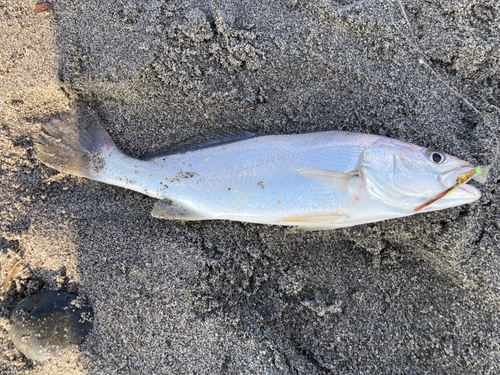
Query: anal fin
{"x": 174, "y": 211}
{"x": 316, "y": 219}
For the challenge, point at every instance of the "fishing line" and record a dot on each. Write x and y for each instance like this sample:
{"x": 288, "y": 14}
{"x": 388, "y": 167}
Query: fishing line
{"x": 425, "y": 61}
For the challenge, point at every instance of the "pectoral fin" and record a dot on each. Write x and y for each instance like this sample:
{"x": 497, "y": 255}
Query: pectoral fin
{"x": 338, "y": 180}
{"x": 174, "y": 211}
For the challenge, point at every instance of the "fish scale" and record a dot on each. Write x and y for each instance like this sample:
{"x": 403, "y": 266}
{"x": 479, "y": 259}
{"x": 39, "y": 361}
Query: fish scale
{"x": 254, "y": 179}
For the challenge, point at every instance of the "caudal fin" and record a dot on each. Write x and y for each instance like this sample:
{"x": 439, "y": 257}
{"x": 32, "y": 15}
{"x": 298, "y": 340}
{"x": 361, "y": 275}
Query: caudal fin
{"x": 73, "y": 143}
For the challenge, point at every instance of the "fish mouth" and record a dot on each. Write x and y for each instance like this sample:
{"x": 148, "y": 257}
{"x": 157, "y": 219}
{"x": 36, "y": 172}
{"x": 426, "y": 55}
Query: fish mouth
{"x": 464, "y": 191}
{"x": 463, "y": 194}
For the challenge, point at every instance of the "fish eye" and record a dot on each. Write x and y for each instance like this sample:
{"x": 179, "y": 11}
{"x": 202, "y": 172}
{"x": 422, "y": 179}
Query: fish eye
{"x": 436, "y": 157}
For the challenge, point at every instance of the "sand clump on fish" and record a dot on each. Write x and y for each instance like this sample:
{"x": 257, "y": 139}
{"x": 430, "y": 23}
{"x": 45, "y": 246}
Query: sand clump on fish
{"x": 312, "y": 181}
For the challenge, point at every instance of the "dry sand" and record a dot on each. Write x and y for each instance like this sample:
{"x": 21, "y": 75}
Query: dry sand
{"x": 411, "y": 296}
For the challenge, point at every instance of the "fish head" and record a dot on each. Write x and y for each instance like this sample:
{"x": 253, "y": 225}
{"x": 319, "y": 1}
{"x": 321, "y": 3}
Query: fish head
{"x": 406, "y": 176}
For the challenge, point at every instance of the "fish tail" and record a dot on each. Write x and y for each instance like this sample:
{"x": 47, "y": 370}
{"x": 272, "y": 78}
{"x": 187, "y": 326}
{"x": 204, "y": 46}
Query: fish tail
{"x": 75, "y": 143}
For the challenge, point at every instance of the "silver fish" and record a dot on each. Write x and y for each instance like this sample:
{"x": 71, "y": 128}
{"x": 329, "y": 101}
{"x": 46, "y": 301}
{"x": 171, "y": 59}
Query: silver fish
{"x": 313, "y": 181}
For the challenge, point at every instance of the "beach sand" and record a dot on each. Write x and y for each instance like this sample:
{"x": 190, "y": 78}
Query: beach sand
{"x": 409, "y": 296}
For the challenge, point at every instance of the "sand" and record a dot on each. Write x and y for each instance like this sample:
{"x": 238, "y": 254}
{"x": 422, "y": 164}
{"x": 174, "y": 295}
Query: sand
{"x": 410, "y": 296}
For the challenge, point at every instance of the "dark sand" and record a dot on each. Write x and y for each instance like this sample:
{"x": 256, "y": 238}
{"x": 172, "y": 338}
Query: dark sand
{"x": 411, "y": 296}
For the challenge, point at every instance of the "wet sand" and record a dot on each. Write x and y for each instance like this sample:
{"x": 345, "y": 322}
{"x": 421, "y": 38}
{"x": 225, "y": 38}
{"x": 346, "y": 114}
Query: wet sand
{"x": 416, "y": 295}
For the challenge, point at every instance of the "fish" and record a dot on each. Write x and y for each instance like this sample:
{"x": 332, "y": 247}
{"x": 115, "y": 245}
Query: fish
{"x": 313, "y": 181}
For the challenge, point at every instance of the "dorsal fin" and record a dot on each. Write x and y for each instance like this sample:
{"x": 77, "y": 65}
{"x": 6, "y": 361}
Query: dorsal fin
{"x": 199, "y": 142}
